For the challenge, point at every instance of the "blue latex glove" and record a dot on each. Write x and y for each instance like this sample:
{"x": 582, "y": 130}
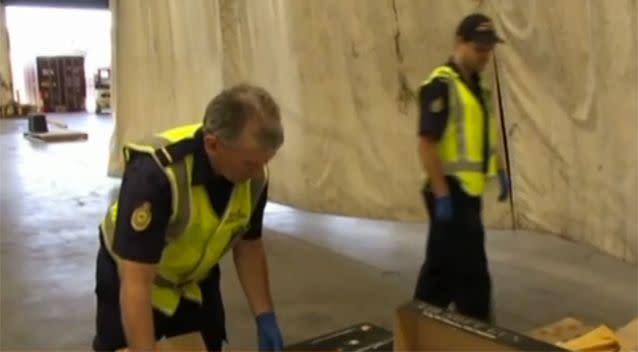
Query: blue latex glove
{"x": 443, "y": 208}
{"x": 268, "y": 333}
{"x": 505, "y": 185}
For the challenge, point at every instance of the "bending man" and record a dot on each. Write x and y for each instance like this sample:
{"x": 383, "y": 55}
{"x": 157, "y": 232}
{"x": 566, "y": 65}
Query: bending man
{"x": 188, "y": 196}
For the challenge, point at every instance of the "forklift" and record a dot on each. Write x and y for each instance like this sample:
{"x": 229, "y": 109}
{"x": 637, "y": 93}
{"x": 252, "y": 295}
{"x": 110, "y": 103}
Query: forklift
{"x": 102, "y": 81}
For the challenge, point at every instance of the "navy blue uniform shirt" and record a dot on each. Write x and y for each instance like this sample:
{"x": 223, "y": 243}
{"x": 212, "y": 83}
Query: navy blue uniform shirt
{"x": 144, "y": 181}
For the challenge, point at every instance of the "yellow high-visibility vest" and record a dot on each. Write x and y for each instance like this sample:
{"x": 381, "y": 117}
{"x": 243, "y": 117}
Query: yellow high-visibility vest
{"x": 461, "y": 146}
{"x": 196, "y": 237}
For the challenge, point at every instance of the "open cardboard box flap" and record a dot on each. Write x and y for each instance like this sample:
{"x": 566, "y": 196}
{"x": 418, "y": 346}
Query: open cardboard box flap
{"x": 628, "y": 336}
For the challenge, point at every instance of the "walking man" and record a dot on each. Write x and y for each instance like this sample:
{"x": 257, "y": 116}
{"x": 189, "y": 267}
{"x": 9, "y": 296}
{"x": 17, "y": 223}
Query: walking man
{"x": 458, "y": 148}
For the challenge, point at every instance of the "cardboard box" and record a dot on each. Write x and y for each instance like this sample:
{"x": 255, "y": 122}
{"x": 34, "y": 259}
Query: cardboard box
{"x": 191, "y": 342}
{"x": 423, "y": 327}
{"x": 363, "y": 337}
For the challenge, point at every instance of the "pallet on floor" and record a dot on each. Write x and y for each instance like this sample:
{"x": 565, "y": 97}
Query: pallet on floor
{"x": 58, "y": 136}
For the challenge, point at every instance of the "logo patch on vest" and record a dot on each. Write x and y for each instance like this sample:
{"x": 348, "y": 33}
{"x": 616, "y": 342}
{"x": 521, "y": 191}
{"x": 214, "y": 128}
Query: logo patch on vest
{"x": 141, "y": 217}
{"x": 437, "y": 105}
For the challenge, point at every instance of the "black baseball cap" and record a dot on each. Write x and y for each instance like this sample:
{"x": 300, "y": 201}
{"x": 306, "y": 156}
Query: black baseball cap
{"x": 478, "y": 28}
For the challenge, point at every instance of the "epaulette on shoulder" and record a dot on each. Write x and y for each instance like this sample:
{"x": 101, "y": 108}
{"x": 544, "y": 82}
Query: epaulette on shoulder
{"x": 173, "y": 153}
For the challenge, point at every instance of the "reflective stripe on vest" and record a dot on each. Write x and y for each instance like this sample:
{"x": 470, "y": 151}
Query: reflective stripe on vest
{"x": 169, "y": 286}
{"x": 469, "y": 170}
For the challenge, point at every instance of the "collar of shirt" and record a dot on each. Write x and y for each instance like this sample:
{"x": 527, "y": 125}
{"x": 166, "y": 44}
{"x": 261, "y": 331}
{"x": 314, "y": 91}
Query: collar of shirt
{"x": 476, "y": 78}
{"x": 203, "y": 173}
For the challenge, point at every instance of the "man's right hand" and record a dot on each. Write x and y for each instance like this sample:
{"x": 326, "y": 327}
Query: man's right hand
{"x": 439, "y": 186}
{"x": 443, "y": 209}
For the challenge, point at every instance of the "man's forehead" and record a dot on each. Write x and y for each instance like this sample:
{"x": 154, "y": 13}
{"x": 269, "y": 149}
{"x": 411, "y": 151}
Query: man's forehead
{"x": 483, "y": 46}
{"x": 247, "y": 140}
{"x": 248, "y": 146}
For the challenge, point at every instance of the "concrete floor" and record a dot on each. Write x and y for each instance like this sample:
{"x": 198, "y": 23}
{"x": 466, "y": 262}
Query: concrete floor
{"x": 53, "y": 196}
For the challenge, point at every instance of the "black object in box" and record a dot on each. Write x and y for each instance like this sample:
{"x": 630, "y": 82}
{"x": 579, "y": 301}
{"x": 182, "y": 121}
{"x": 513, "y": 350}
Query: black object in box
{"x": 363, "y": 337}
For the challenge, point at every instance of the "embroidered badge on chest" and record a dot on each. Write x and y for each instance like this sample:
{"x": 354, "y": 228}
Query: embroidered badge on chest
{"x": 141, "y": 217}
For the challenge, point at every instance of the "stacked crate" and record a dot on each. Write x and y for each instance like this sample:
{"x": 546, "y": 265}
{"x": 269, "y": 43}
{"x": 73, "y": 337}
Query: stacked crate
{"x": 61, "y": 83}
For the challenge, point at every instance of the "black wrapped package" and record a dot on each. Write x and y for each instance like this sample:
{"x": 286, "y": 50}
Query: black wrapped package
{"x": 363, "y": 337}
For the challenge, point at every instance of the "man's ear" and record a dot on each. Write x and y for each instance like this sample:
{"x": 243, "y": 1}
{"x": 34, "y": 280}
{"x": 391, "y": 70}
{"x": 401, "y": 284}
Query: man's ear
{"x": 211, "y": 143}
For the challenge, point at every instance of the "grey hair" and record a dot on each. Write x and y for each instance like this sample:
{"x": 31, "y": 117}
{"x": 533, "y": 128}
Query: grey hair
{"x": 228, "y": 112}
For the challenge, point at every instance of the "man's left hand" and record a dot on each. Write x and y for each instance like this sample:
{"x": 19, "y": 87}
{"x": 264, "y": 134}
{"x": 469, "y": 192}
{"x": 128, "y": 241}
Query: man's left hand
{"x": 505, "y": 185}
{"x": 268, "y": 333}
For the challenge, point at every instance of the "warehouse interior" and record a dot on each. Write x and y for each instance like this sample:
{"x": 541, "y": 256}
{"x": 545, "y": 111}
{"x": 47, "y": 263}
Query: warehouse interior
{"x": 61, "y": 38}
{"x": 345, "y": 228}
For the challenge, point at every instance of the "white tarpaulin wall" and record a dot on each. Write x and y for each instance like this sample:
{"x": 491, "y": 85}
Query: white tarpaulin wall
{"x": 166, "y": 66}
{"x": 346, "y": 74}
{"x": 570, "y": 85}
